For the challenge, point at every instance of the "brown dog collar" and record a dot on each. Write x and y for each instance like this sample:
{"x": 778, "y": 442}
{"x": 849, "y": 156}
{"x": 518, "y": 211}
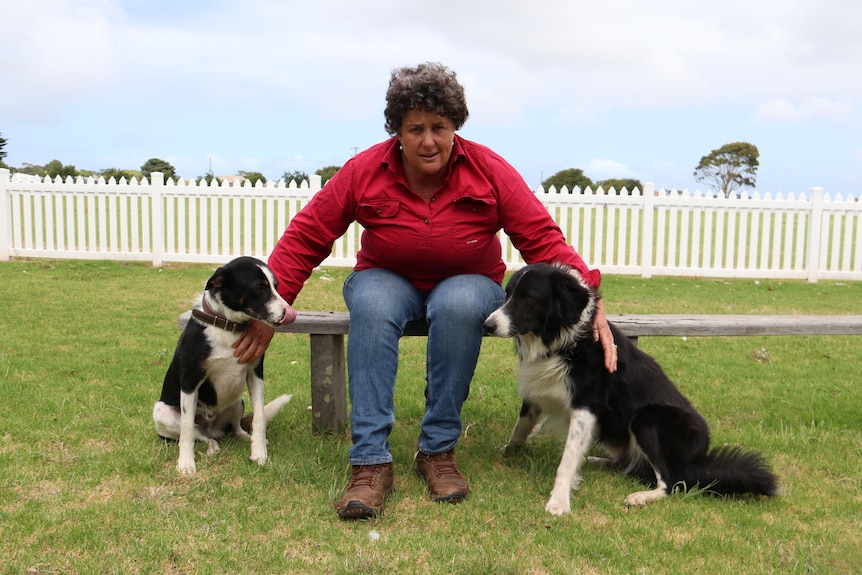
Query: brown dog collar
{"x": 211, "y": 318}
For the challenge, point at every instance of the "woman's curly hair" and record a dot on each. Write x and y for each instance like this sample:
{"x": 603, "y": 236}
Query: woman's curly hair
{"x": 430, "y": 87}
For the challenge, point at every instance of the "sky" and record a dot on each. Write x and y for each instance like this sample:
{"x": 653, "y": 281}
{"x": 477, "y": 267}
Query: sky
{"x": 619, "y": 88}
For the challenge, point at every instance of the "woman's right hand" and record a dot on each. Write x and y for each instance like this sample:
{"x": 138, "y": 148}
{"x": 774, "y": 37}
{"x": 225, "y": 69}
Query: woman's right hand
{"x": 253, "y": 342}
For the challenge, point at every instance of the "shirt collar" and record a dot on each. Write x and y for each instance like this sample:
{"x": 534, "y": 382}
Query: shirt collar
{"x": 391, "y": 155}
{"x": 458, "y": 155}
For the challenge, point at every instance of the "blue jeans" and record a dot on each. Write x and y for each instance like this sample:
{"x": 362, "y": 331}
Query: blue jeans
{"x": 382, "y": 304}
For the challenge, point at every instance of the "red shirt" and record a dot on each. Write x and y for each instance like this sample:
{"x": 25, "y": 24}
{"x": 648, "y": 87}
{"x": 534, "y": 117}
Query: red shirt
{"x": 454, "y": 233}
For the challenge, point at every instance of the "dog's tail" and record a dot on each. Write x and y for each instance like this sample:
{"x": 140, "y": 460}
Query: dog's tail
{"x": 730, "y": 470}
{"x": 270, "y": 410}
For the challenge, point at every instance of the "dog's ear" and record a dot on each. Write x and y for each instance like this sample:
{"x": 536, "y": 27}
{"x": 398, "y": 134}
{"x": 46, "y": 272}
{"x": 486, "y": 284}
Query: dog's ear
{"x": 218, "y": 280}
{"x": 514, "y": 280}
{"x": 573, "y": 298}
{"x": 553, "y": 323}
{"x": 566, "y": 301}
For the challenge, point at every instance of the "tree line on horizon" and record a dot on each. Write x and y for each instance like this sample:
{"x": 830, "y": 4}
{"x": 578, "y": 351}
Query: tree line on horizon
{"x": 55, "y": 168}
{"x": 731, "y": 167}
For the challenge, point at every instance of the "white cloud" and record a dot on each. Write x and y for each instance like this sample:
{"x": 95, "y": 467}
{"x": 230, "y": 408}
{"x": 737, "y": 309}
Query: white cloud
{"x": 780, "y": 110}
{"x": 584, "y": 57}
{"x": 54, "y": 51}
{"x": 811, "y": 108}
{"x": 602, "y": 169}
{"x": 258, "y": 81}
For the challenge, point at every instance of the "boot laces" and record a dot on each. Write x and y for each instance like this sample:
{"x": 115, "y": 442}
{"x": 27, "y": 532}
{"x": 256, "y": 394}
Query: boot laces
{"x": 444, "y": 464}
{"x": 363, "y": 476}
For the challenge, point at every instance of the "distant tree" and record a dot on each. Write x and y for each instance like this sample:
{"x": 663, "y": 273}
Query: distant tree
{"x": 56, "y": 168}
{"x": 118, "y": 174}
{"x": 730, "y": 167}
{"x": 252, "y": 177}
{"x": 571, "y": 178}
{"x": 618, "y": 184}
{"x": 326, "y": 173}
{"x": 296, "y": 176}
{"x": 157, "y": 165}
{"x": 32, "y": 169}
{"x": 208, "y": 178}
{"x": 2, "y": 151}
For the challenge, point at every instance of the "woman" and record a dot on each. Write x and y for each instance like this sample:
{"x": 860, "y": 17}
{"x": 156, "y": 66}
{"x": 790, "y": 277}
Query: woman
{"x": 431, "y": 204}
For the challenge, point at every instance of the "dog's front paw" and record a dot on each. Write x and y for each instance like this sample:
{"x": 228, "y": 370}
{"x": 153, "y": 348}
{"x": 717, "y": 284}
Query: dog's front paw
{"x": 558, "y": 506}
{"x": 186, "y": 467}
{"x": 559, "y": 502}
{"x": 259, "y": 454}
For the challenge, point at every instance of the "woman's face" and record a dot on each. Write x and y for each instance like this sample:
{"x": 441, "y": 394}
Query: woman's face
{"x": 426, "y": 141}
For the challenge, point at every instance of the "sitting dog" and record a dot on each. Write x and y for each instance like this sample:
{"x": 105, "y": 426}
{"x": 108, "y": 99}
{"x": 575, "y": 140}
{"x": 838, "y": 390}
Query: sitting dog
{"x": 641, "y": 420}
{"x": 202, "y": 391}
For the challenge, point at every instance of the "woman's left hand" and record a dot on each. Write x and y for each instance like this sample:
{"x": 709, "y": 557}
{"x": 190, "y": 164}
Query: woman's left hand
{"x": 602, "y": 333}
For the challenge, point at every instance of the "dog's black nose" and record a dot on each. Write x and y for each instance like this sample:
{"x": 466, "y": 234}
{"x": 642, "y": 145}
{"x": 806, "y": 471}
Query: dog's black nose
{"x": 489, "y": 326}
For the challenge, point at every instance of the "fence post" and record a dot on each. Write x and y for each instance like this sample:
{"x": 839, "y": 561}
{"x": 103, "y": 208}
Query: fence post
{"x": 815, "y": 231}
{"x": 157, "y": 183}
{"x": 646, "y": 240}
{"x": 5, "y": 216}
{"x": 314, "y": 183}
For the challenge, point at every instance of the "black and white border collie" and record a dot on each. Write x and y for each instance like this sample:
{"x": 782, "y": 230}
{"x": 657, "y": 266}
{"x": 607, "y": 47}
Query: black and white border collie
{"x": 647, "y": 427}
{"x": 202, "y": 391}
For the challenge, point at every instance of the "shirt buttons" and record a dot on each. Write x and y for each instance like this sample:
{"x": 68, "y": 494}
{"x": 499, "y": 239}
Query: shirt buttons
{"x": 426, "y": 220}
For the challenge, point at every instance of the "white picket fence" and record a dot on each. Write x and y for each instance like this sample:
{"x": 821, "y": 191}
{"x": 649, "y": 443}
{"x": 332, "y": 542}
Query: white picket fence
{"x": 644, "y": 233}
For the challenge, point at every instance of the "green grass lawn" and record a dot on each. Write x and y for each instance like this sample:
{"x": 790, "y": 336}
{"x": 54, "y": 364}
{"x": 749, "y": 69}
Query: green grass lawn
{"x": 87, "y": 487}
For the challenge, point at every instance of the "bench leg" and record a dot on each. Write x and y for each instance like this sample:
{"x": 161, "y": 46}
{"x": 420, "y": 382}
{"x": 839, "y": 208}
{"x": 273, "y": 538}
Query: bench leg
{"x": 328, "y": 384}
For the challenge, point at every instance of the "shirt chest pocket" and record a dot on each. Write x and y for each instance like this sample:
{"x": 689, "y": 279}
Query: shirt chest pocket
{"x": 474, "y": 225}
{"x": 372, "y": 211}
{"x": 379, "y": 218}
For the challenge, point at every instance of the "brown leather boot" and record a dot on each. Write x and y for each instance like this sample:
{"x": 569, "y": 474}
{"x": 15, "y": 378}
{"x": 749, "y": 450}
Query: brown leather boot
{"x": 444, "y": 480}
{"x": 368, "y": 488}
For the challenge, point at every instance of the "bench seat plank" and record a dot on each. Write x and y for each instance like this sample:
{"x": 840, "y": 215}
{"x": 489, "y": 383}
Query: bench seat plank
{"x": 636, "y": 325}
{"x": 327, "y": 331}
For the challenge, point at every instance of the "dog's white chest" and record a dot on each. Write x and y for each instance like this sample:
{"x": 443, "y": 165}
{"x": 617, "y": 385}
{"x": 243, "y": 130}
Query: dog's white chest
{"x": 228, "y": 378}
{"x": 545, "y": 380}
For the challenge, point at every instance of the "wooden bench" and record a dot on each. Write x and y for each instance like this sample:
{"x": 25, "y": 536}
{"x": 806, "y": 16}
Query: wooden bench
{"x": 327, "y": 330}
